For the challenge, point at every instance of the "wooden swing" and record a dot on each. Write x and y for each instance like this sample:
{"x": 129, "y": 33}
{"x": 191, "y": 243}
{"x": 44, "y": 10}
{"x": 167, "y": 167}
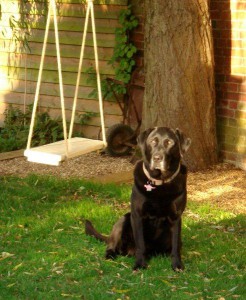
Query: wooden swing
{"x": 54, "y": 153}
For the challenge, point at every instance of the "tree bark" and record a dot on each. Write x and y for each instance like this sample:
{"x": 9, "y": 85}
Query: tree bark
{"x": 179, "y": 74}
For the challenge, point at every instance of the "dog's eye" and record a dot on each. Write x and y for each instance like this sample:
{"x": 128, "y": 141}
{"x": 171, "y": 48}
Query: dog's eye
{"x": 168, "y": 142}
{"x": 154, "y": 142}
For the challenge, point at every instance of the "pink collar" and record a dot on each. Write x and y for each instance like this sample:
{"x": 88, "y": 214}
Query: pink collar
{"x": 159, "y": 181}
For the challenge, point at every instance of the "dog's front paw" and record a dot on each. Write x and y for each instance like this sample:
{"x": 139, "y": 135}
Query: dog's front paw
{"x": 140, "y": 264}
{"x": 177, "y": 265}
{"x": 110, "y": 254}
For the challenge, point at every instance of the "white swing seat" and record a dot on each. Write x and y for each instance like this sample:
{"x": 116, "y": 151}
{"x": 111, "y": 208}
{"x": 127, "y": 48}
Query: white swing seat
{"x": 54, "y": 153}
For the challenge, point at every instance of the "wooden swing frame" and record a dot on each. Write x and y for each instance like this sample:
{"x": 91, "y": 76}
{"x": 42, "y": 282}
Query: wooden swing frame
{"x": 54, "y": 153}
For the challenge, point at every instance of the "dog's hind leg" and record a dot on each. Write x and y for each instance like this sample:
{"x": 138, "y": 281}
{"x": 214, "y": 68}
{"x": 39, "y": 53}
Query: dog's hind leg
{"x": 115, "y": 239}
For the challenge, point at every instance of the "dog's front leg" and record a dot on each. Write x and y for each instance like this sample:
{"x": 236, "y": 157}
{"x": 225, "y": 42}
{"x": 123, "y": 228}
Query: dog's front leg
{"x": 177, "y": 264}
{"x": 137, "y": 228}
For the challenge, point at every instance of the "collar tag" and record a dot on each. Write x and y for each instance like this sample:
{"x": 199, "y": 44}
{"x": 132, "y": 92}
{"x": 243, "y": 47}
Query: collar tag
{"x": 149, "y": 187}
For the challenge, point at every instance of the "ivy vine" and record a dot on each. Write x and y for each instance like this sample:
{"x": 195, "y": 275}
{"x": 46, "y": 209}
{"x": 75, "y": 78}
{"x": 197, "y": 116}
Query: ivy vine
{"x": 124, "y": 49}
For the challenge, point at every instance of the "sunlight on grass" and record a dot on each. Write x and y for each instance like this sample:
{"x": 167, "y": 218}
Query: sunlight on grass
{"x": 215, "y": 191}
{"x": 45, "y": 254}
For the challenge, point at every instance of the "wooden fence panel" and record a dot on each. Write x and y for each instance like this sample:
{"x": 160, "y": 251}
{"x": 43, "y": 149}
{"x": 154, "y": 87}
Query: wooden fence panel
{"x": 19, "y": 68}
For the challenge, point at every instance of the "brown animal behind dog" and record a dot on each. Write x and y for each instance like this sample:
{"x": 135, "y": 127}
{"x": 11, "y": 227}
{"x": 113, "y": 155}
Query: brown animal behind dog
{"x": 158, "y": 200}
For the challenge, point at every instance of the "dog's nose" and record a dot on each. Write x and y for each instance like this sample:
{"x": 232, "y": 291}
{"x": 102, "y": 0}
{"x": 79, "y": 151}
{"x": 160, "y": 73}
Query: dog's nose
{"x": 157, "y": 158}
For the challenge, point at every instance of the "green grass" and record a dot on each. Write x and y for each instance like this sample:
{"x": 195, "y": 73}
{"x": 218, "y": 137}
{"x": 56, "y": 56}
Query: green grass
{"x": 44, "y": 253}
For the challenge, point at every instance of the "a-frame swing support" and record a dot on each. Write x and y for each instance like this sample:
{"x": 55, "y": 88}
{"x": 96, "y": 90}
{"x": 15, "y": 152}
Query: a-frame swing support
{"x": 54, "y": 153}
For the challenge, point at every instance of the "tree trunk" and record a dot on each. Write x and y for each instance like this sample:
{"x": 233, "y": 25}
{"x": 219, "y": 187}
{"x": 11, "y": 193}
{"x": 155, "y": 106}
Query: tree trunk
{"x": 179, "y": 74}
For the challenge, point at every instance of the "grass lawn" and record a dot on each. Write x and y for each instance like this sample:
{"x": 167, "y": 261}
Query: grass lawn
{"x": 44, "y": 253}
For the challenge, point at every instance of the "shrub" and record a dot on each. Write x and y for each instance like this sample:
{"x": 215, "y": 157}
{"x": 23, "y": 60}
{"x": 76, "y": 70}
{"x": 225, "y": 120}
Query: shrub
{"x": 14, "y": 134}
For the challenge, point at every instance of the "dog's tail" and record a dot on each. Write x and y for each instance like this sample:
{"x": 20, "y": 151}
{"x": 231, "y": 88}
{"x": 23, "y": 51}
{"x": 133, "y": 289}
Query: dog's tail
{"x": 90, "y": 230}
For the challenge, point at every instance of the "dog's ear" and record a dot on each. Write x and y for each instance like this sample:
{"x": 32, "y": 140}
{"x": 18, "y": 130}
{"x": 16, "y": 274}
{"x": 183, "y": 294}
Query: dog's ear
{"x": 143, "y": 136}
{"x": 184, "y": 142}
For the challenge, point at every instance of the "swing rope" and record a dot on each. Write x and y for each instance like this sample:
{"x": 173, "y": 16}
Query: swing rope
{"x": 90, "y": 8}
{"x": 98, "y": 73}
{"x": 58, "y": 54}
{"x": 79, "y": 72}
{"x": 39, "y": 79}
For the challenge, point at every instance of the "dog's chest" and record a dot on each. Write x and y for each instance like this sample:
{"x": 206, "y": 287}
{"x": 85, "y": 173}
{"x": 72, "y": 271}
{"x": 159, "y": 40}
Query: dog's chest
{"x": 156, "y": 209}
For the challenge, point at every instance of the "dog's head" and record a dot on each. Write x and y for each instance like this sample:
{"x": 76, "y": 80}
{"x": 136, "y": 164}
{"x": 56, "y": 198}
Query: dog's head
{"x": 162, "y": 149}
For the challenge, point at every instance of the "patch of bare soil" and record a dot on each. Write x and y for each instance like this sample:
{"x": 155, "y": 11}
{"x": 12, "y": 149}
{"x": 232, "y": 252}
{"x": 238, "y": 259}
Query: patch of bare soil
{"x": 86, "y": 166}
{"x": 222, "y": 185}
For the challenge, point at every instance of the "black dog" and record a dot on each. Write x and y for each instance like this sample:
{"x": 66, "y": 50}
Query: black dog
{"x": 158, "y": 200}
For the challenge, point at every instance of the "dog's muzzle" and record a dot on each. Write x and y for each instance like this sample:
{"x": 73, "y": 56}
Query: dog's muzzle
{"x": 159, "y": 162}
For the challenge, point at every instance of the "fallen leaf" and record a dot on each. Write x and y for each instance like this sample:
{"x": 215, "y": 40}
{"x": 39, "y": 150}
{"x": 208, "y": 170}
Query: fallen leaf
{"x": 70, "y": 296}
{"x": 58, "y": 269}
{"x": 194, "y": 253}
{"x": 233, "y": 289}
{"x": 124, "y": 265}
{"x": 28, "y": 273}
{"x": 218, "y": 227}
{"x": 166, "y": 282}
{"x": 75, "y": 228}
{"x": 17, "y": 267}
{"x": 6, "y": 255}
{"x": 120, "y": 291}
